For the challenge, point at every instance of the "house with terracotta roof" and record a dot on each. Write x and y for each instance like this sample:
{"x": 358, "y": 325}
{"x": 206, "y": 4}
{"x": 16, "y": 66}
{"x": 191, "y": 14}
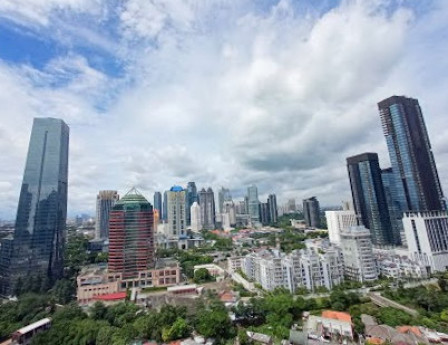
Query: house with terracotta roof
{"x": 331, "y": 325}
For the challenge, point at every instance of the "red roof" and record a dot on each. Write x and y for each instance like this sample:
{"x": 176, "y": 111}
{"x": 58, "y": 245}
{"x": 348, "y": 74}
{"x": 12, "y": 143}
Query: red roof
{"x": 337, "y": 315}
{"x": 111, "y": 296}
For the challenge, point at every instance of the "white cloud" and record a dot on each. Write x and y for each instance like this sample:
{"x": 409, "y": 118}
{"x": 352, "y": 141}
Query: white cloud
{"x": 222, "y": 93}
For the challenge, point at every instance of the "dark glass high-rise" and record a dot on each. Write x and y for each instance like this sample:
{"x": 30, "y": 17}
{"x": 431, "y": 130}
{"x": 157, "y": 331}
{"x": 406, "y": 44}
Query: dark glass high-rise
{"x": 418, "y": 185}
{"x": 369, "y": 198}
{"x": 37, "y": 247}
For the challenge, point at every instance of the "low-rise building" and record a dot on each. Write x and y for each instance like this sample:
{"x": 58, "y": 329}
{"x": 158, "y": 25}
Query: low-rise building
{"x": 331, "y": 325}
{"x": 94, "y": 281}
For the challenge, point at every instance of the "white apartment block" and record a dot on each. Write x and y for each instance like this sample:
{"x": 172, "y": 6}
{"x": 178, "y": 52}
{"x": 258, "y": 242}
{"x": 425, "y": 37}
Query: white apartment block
{"x": 235, "y": 263}
{"x": 359, "y": 261}
{"x": 301, "y": 268}
{"x": 337, "y": 221}
{"x": 427, "y": 238}
{"x": 195, "y": 211}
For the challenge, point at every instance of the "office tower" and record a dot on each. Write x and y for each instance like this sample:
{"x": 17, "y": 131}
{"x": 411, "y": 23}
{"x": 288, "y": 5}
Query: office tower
{"x": 207, "y": 204}
{"x": 393, "y": 205}
{"x": 165, "y": 206}
{"x": 412, "y": 159}
{"x": 158, "y": 202}
{"x": 427, "y": 239}
{"x": 38, "y": 245}
{"x": 272, "y": 206}
{"x": 131, "y": 235}
{"x": 291, "y": 206}
{"x": 195, "y": 212}
{"x": 192, "y": 196}
{"x": 359, "y": 262}
{"x": 253, "y": 204}
{"x": 230, "y": 210}
{"x": 223, "y": 196}
{"x": 338, "y": 221}
{"x": 369, "y": 198}
{"x": 177, "y": 216}
{"x": 311, "y": 212}
{"x": 264, "y": 213}
{"x": 105, "y": 200}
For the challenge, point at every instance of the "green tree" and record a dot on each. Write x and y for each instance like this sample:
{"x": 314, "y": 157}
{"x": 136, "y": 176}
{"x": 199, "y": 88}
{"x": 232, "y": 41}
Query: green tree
{"x": 179, "y": 329}
{"x": 202, "y": 275}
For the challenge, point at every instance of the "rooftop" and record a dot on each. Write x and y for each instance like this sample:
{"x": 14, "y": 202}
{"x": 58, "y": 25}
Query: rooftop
{"x": 111, "y": 297}
{"x": 336, "y": 315}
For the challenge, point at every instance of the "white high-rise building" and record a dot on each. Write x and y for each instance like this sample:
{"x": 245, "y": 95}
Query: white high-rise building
{"x": 427, "y": 238}
{"x": 228, "y": 215}
{"x": 105, "y": 200}
{"x": 359, "y": 261}
{"x": 196, "y": 224}
{"x": 338, "y": 221}
{"x": 176, "y": 213}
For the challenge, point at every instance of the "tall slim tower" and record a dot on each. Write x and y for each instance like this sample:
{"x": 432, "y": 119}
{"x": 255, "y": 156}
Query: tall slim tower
{"x": 177, "y": 222}
{"x": 207, "y": 204}
{"x": 192, "y": 196}
{"x": 165, "y": 206}
{"x": 223, "y": 196}
{"x": 410, "y": 154}
{"x": 272, "y": 206}
{"x": 195, "y": 211}
{"x": 158, "y": 202}
{"x": 311, "y": 212}
{"x": 105, "y": 200}
{"x": 369, "y": 198}
{"x": 253, "y": 203}
{"x": 131, "y": 235}
{"x": 38, "y": 245}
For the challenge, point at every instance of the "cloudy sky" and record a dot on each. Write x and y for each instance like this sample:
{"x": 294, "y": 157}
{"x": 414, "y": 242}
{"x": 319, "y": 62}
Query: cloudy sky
{"x": 221, "y": 92}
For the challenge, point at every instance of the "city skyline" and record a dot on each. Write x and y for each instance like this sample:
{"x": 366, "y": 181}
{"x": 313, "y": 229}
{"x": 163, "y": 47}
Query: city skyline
{"x": 274, "y": 117}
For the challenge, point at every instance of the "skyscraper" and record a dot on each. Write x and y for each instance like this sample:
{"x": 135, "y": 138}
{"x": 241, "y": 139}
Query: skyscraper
{"x": 207, "y": 204}
{"x": 192, "y": 196}
{"x": 272, "y": 206}
{"x": 177, "y": 216}
{"x": 105, "y": 200}
{"x": 223, "y": 196}
{"x": 38, "y": 245}
{"x": 165, "y": 206}
{"x": 131, "y": 235}
{"x": 264, "y": 213}
{"x": 311, "y": 212}
{"x": 195, "y": 211}
{"x": 158, "y": 202}
{"x": 393, "y": 205}
{"x": 369, "y": 198}
{"x": 338, "y": 221}
{"x": 418, "y": 185}
{"x": 253, "y": 203}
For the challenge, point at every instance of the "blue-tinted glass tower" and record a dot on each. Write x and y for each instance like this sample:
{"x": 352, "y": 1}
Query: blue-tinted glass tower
{"x": 158, "y": 202}
{"x": 395, "y": 214}
{"x": 191, "y": 197}
{"x": 369, "y": 198}
{"x": 418, "y": 185}
{"x": 38, "y": 245}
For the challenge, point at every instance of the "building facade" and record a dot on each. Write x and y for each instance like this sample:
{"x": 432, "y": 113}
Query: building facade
{"x": 191, "y": 197}
{"x": 253, "y": 204}
{"x": 223, "y": 196}
{"x": 158, "y": 202}
{"x": 359, "y": 261}
{"x": 369, "y": 198}
{"x": 393, "y": 206}
{"x": 176, "y": 212}
{"x": 207, "y": 204}
{"x": 411, "y": 156}
{"x": 427, "y": 238}
{"x": 37, "y": 247}
{"x": 272, "y": 208}
{"x": 105, "y": 201}
{"x": 337, "y": 221}
{"x": 195, "y": 211}
{"x": 311, "y": 212}
{"x": 131, "y": 236}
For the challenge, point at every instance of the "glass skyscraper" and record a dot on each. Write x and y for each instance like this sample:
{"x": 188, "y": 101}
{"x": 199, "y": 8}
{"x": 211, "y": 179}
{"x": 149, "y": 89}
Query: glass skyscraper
{"x": 158, "y": 202}
{"x": 192, "y": 196}
{"x": 418, "y": 185}
{"x": 311, "y": 212}
{"x": 38, "y": 244}
{"x": 369, "y": 198}
{"x": 253, "y": 203}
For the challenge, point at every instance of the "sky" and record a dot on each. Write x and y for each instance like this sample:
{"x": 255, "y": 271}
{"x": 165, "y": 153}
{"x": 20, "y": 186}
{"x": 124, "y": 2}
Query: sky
{"x": 228, "y": 93}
